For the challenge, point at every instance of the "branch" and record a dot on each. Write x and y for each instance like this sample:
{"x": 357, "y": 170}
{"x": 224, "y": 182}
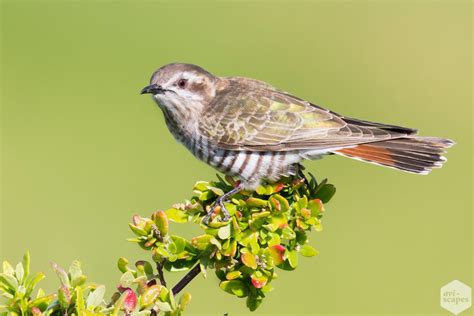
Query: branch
{"x": 161, "y": 277}
{"x": 186, "y": 279}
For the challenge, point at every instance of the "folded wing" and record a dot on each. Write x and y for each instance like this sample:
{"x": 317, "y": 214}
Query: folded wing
{"x": 254, "y": 117}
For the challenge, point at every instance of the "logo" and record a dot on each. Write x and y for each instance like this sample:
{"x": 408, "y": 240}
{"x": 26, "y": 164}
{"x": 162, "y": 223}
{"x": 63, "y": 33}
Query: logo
{"x": 455, "y": 297}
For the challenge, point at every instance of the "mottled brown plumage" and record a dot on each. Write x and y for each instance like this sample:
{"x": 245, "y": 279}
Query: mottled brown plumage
{"x": 248, "y": 128}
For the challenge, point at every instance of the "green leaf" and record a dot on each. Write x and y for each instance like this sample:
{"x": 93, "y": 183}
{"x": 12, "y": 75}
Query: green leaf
{"x": 261, "y": 190}
{"x": 269, "y": 189}
{"x": 164, "y": 306}
{"x": 42, "y": 301}
{"x": 161, "y": 251}
{"x": 231, "y": 208}
{"x": 75, "y": 272}
{"x": 216, "y": 191}
{"x": 95, "y": 298}
{"x": 308, "y": 251}
{"x": 201, "y": 242}
{"x": 256, "y": 202}
{"x": 303, "y": 202}
{"x": 32, "y": 281}
{"x": 301, "y": 237}
{"x": 250, "y": 240}
{"x": 253, "y": 302}
{"x": 279, "y": 203}
{"x": 40, "y": 293}
{"x": 177, "y": 216}
{"x": 172, "y": 248}
{"x": 206, "y": 195}
{"x": 7, "y": 268}
{"x": 180, "y": 243}
{"x": 201, "y": 186}
{"x": 19, "y": 272}
{"x": 316, "y": 206}
{"x": 179, "y": 265}
{"x": 80, "y": 306}
{"x": 216, "y": 223}
{"x": 184, "y": 301}
{"x": 258, "y": 220}
{"x": 320, "y": 186}
{"x": 313, "y": 182}
{"x": 137, "y": 230}
{"x": 221, "y": 181}
{"x": 122, "y": 264}
{"x": 274, "y": 239}
{"x": 234, "y": 287}
{"x": 216, "y": 243}
{"x": 26, "y": 263}
{"x": 9, "y": 282}
{"x": 126, "y": 280}
{"x": 233, "y": 275}
{"x": 171, "y": 300}
{"x": 229, "y": 248}
{"x": 326, "y": 192}
{"x": 288, "y": 233}
{"x": 279, "y": 220}
{"x": 224, "y": 232}
{"x": 249, "y": 259}
{"x": 150, "y": 296}
{"x": 267, "y": 288}
{"x": 292, "y": 258}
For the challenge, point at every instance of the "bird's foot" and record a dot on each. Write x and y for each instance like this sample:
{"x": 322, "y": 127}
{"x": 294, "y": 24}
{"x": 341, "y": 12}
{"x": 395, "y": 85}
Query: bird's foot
{"x": 218, "y": 203}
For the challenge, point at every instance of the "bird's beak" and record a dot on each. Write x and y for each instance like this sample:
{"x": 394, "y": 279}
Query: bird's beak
{"x": 153, "y": 89}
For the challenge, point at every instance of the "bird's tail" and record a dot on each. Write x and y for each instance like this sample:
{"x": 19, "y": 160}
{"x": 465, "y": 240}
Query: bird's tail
{"x": 412, "y": 154}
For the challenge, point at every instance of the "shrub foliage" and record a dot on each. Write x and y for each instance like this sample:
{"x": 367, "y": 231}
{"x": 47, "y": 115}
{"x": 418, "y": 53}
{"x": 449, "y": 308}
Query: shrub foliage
{"x": 268, "y": 230}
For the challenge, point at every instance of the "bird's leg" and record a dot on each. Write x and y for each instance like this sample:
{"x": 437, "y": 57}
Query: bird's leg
{"x": 220, "y": 201}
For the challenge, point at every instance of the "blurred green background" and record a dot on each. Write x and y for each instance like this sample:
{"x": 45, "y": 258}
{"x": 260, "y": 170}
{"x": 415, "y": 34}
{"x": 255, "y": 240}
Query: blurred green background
{"x": 82, "y": 151}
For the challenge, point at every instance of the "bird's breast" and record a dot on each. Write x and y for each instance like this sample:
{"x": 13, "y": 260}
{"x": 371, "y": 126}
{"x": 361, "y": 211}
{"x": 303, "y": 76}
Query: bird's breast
{"x": 249, "y": 166}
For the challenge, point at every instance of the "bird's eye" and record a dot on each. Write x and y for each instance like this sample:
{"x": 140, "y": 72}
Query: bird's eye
{"x": 182, "y": 83}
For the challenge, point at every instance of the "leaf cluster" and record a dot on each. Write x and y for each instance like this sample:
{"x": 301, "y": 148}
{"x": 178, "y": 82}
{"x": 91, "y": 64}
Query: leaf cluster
{"x": 268, "y": 230}
{"x": 138, "y": 294}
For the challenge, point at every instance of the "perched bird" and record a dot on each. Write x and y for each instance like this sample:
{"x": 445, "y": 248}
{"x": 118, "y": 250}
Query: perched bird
{"x": 250, "y": 129}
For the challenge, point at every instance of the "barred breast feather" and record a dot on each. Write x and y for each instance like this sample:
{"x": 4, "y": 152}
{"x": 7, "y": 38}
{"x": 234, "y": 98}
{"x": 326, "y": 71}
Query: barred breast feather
{"x": 250, "y": 166}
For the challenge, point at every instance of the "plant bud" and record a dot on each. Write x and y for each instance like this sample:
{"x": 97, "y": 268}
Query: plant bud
{"x": 122, "y": 264}
{"x": 161, "y": 222}
{"x": 130, "y": 301}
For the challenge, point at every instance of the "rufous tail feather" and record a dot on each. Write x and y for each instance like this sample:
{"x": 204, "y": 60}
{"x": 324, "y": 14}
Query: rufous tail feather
{"x": 412, "y": 154}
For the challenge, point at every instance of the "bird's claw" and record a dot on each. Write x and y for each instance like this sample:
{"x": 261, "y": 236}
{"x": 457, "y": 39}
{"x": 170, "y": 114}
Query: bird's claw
{"x": 224, "y": 211}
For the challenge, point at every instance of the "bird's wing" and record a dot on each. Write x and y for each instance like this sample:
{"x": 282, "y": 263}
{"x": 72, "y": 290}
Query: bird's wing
{"x": 249, "y": 116}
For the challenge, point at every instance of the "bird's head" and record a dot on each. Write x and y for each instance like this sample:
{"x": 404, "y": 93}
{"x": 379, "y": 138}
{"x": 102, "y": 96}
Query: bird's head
{"x": 182, "y": 89}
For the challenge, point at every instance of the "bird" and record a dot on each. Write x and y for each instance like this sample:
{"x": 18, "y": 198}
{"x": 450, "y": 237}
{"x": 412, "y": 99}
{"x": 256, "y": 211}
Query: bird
{"x": 249, "y": 129}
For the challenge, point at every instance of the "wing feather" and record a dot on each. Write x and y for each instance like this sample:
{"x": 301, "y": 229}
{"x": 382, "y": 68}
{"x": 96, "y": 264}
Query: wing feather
{"x": 251, "y": 115}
